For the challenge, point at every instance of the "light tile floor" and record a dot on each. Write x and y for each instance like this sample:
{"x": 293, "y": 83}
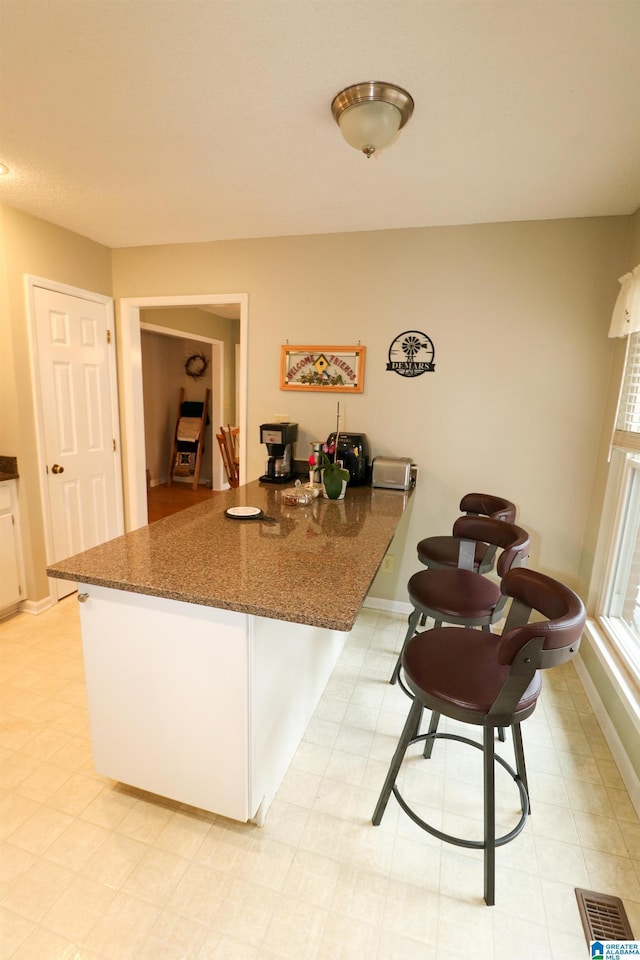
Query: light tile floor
{"x": 94, "y": 870}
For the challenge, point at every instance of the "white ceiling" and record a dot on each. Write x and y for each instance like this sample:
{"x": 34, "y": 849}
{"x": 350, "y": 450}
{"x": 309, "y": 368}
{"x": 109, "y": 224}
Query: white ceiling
{"x": 166, "y": 121}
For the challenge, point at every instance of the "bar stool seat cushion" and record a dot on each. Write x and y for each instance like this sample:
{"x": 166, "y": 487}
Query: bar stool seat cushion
{"x": 442, "y": 551}
{"x": 460, "y": 594}
{"x": 454, "y": 670}
{"x": 456, "y": 595}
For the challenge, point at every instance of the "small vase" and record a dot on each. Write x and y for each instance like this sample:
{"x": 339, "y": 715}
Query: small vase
{"x": 314, "y": 484}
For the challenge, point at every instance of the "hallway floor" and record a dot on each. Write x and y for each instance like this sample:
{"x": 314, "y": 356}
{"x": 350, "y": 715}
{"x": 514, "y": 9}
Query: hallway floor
{"x": 162, "y": 500}
{"x": 94, "y": 870}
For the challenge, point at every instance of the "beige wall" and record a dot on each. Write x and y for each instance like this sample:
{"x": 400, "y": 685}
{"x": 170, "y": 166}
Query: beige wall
{"x": 634, "y": 241}
{"x": 9, "y": 430}
{"x": 518, "y": 314}
{"x": 33, "y": 246}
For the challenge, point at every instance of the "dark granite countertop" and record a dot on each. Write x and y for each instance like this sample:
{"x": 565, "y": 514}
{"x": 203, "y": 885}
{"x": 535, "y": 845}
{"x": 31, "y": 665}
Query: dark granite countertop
{"x": 8, "y": 468}
{"x": 312, "y": 564}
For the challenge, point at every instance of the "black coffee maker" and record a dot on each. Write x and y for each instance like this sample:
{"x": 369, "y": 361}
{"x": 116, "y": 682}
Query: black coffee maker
{"x": 279, "y": 439}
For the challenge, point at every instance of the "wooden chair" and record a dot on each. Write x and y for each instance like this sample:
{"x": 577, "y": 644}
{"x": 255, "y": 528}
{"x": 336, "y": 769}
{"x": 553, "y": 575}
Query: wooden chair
{"x": 228, "y": 462}
{"x": 191, "y": 449}
{"x": 234, "y": 442}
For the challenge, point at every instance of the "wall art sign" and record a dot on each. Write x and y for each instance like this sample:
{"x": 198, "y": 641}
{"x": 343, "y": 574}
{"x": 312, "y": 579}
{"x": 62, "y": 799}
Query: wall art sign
{"x": 411, "y": 354}
{"x": 329, "y": 369}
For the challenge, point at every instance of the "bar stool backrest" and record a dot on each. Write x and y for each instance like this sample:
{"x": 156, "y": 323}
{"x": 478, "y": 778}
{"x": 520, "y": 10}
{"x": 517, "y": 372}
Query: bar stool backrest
{"x": 528, "y": 646}
{"x": 486, "y": 505}
{"x": 511, "y": 539}
{"x": 560, "y": 605}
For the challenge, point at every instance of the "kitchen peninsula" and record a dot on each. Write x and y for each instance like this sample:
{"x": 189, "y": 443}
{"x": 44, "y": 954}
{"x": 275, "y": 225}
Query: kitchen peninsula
{"x": 208, "y": 640}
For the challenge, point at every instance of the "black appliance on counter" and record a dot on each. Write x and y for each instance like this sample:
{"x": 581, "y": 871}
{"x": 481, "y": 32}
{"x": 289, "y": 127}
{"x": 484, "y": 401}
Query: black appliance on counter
{"x": 353, "y": 450}
{"x": 279, "y": 438}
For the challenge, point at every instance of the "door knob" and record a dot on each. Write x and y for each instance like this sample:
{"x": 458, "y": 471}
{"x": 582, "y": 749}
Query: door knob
{"x": 56, "y": 468}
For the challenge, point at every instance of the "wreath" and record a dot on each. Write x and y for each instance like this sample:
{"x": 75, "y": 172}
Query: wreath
{"x": 196, "y": 365}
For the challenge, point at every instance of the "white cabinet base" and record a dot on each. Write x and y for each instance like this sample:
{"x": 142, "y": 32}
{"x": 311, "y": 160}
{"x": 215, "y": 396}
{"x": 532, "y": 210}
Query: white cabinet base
{"x": 201, "y": 705}
{"x": 10, "y": 550}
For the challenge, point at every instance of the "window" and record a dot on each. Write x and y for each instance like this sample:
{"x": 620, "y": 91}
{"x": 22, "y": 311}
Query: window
{"x": 620, "y": 602}
{"x": 627, "y": 433}
{"x": 620, "y": 615}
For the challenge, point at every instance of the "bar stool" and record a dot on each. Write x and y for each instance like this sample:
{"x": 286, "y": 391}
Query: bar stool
{"x": 459, "y": 594}
{"x": 488, "y": 681}
{"x": 443, "y": 551}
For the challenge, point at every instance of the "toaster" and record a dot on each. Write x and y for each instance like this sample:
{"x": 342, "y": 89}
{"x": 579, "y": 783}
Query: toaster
{"x": 394, "y": 473}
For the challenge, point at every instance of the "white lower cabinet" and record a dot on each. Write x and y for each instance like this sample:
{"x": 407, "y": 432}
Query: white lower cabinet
{"x": 201, "y": 705}
{"x": 10, "y": 566}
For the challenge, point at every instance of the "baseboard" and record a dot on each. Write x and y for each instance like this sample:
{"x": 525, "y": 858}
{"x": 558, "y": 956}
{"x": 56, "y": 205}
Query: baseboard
{"x": 9, "y": 612}
{"x": 188, "y": 480}
{"x": 392, "y": 606}
{"x": 36, "y": 606}
{"x": 627, "y": 771}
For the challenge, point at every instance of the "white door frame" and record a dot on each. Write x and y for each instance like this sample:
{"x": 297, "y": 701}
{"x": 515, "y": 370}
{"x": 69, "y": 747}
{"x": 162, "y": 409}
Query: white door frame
{"x": 31, "y": 282}
{"x": 217, "y": 396}
{"x": 130, "y": 371}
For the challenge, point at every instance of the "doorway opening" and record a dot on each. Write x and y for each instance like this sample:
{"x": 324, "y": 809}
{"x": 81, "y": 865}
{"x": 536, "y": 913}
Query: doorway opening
{"x": 166, "y": 357}
{"x": 131, "y": 380}
{"x": 165, "y": 352}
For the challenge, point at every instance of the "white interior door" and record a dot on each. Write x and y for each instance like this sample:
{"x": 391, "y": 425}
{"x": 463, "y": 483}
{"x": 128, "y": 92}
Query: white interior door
{"x": 79, "y": 431}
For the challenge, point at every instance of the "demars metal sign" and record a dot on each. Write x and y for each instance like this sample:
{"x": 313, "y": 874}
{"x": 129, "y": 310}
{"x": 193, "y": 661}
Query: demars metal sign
{"x": 411, "y": 354}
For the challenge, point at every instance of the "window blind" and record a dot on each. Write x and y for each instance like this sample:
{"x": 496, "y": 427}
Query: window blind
{"x": 626, "y": 435}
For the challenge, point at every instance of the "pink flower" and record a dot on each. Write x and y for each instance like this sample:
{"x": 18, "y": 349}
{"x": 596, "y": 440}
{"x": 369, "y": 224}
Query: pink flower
{"x": 312, "y": 461}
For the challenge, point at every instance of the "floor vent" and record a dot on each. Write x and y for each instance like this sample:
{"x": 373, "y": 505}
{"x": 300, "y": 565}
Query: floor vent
{"x": 603, "y": 917}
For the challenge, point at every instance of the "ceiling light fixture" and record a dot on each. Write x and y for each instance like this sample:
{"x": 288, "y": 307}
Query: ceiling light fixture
{"x": 4, "y": 169}
{"x": 370, "y": 114}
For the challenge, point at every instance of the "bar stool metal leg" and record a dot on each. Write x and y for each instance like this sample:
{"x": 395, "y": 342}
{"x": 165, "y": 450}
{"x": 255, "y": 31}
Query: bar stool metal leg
{"x": 409, "y": 731}
{"x": 433, "y": 727}
{"x": 489, "y": 818}
{"x": 411, "y": 629}
{"x": 520, "y": 762}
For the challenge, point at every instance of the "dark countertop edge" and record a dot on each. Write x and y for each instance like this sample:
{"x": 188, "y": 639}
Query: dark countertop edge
{"x": 343, "y": 626}
{"x": 8, "y": 468}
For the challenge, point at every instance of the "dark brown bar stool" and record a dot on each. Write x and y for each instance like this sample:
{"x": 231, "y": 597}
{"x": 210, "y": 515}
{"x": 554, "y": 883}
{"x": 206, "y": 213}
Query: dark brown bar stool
{"x": 443, "y": 551}
{"x": 489, "y": 681}
{"x": 458, "y": 594}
